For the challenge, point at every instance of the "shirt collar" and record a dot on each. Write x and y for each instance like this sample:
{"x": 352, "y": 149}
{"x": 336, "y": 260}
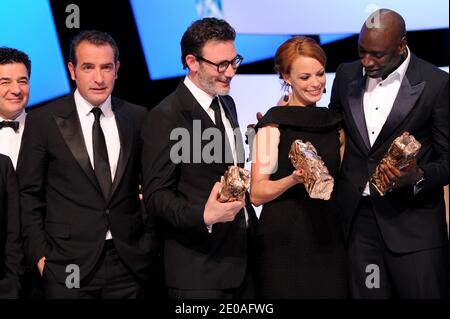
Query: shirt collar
{"x": 84, "y": 107}
{"x": 203, "y": 98}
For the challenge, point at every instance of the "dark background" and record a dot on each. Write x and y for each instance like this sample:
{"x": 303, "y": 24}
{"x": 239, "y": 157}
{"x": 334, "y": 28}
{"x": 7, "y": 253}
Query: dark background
{"x": 134, "y": 83}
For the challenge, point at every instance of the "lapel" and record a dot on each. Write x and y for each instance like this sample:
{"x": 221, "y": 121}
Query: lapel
{"x": 355, "y": 100}
{"x": 192, "y": 110}
{"x": 69, "y": 125}
{"x": 126, "y": 141}
{"x": 407, "y": 97}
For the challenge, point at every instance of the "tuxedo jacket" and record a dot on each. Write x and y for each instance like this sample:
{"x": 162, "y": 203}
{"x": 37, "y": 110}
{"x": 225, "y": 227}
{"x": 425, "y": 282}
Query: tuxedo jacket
{"x": 11, "y": 250}
{"x": 408, "y": 221}
{"x": 65, "y": 215}
{"x": 176, "y": 193}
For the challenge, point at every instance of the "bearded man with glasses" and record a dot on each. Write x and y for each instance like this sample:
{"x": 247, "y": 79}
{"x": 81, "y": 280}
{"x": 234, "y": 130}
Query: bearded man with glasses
{"x": 208, "y": 250}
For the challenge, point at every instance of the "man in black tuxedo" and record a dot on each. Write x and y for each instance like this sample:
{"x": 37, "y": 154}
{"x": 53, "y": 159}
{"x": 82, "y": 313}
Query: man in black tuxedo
{"x": 79, "y": 170}
{"x": 207, "y": 243}
{"x": 398, "y": 245}
{"x": 15, "y": 71}
{"x": 11, "y": 250}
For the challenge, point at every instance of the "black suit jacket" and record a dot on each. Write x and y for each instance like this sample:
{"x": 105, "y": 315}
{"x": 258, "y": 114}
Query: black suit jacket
{"x": 11, "y": 250}
{"x": 407, "y": 222}
{"x": 177, "y": 193}
{"x": 65, "y": 216}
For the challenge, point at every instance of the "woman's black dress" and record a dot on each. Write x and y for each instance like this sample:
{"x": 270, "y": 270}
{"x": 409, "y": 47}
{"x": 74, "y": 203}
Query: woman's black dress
{"x": 300, "y": 244}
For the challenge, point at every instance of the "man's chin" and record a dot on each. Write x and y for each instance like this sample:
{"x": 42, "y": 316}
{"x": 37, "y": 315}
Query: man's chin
{"x": 223, "y": 91}
{"x": 15, "y": 106}
{"x": 373, "y": 74}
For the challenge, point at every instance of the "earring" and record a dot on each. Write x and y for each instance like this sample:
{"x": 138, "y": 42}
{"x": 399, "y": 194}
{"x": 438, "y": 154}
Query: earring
{"x": 324, "y": 90}
{"x": 286, "y": 92}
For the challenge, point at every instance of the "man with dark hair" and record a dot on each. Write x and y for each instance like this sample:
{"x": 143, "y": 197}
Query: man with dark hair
{"x": 15, "y": 71}
{"x": 11, "y": 55}
{"x": 79, "y": 171}
{"x": 93, "y": 37}
{"x": 198, "y": 34}
{"x": 207, "y": 243}
{"x": 397, "y": 243}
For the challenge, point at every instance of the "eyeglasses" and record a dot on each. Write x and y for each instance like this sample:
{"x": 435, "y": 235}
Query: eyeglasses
{"x": 223, "y": 66}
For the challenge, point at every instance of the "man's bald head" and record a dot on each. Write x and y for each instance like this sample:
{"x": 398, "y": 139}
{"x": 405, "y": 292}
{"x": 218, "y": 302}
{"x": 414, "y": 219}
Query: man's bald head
{"x": 387, "y": 21}
{"x": 382, "y": 43}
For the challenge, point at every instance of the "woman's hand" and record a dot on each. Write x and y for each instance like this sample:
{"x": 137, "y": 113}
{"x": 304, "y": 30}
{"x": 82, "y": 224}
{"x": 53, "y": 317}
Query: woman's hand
{"x": 298, "y": 176}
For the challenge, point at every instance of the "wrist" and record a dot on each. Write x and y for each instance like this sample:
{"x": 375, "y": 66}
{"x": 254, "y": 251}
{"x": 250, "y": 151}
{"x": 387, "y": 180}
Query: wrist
{"x": 293, "y": 180}
{"x": 207, "y": 219}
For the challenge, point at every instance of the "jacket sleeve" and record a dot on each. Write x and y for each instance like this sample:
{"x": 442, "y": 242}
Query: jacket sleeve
{"x": 32, "y": 171}
{"x": 14, "y": 268}
{"x": 436, "y": 172}
{"x": 335, "y": 99}
{"x": 160, "y": 178}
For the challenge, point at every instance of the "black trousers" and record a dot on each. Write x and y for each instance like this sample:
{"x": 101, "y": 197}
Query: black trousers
{"x": 111, "y": 279}
{"x": 376, "y": 272}
{"x": 247, "y": 289}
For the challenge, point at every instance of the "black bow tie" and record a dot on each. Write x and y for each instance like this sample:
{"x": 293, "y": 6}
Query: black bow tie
{"x": 12, "y": 124}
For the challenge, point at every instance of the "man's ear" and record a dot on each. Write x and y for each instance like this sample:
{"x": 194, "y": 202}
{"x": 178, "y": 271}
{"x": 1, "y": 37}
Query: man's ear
{"x": 71, "y": 68}
{"x": 192, "y": 63}
{"x": 403, "y": 44}
{"x": 117, "y": 68}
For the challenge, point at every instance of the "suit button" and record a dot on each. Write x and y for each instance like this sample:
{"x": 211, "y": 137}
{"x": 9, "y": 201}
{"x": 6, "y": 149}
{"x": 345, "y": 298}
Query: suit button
{"x": 107, "y": 212}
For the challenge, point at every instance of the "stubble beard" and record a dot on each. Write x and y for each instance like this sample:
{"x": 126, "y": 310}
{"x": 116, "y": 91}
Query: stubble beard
{"x": 208, "y": 83}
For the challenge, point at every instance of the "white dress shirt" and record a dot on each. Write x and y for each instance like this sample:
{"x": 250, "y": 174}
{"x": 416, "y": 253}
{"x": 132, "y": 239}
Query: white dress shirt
{"x": 10, "y": 140}
{"x": 204, "y": 99}
{"x": 109, "y": 128}
{"x": 379, "y": 97}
